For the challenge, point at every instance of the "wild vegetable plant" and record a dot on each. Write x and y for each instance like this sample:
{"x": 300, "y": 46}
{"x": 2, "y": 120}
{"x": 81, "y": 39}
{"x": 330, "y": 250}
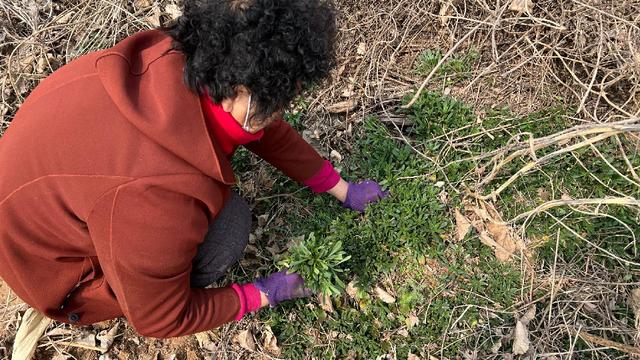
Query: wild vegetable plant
{"x": 319, "y": 262}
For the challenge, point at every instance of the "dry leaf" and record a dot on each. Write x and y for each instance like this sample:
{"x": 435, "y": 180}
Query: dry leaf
{"x": 251, "y": 249}
{"x": 348, "y": 91}
{"x": 444, "y": 12}
{"x": 492, "y": 213}
{"x": 205, "y": 342}
{"x": 463, "y": 225}
{"x": 443, "y": 196}
{"x": 634, "y": 303}
{"x": 325, "y": 302}
{"x": 480, "y": 170}
{"x": 249, "y": 263}
{"x": 154, "y": 17}
{"x": 543, "y": 193}
{"x": 412, "y": 321}
{"x": 336, "y": 156}
{"x": 480, "y": 214}
{"x": 520, "y": 339}
{"x": 89, "y": 339}
{"x": 342, "y": 106}
{"x": 245, "y": 339}
{"x": 529, "y": 315}
{"x": 469, "y": 354}
{"x": 65, "y": 18}
{"x": 411, "y": 356}
{"x": 41, "y": 64}
{"x": 106, "y": 338}
{"x": 521, "y": 6}
{"x": 151, "y": 356}
{"x": 31, "y": 328}
{"x": 362, "y": 49}
{"x": 384, "y": 296}
{"x": 262, "y": 220}
{"x": 496, "y": 347}
{"x": 566, "y": 197}
{"x": 500, "y": 252}
{"x": 504, "y": 243}
{"x": 173, "y": 11}
{"x": 270, "y": 342}
{"x": 352, "y": 289}
{"x": 141, "y": 4}
{"x": 26, "y": 64}
{"x": 488, "y": 222}
{"x": 500, "y": 233}
{"x": 273, "y": 250}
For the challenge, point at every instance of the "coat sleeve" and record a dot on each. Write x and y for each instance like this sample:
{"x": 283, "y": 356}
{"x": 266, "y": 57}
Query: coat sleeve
{"x": 146, "y": 237}
{"x": 285, "y": 149}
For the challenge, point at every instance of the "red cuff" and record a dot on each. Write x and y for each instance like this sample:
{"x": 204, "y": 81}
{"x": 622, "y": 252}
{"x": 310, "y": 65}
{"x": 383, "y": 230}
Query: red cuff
{"x": 249, "y": 297}
{"x": 324, "y": 180}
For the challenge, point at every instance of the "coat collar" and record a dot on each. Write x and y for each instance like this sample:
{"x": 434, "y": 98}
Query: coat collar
{"x": 225, "y": 129}
{"x": 143, "y": 75}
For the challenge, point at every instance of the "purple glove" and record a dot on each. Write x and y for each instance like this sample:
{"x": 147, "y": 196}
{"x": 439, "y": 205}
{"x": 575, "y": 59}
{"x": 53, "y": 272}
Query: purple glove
{"x": 281, "y": 286}
{"x": 361, "y": 194}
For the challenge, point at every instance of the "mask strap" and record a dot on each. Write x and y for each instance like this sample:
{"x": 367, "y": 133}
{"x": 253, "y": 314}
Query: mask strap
{"x": 245, "y": 126}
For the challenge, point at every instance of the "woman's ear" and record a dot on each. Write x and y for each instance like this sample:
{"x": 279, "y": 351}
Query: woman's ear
{"x": 227, "y": 104}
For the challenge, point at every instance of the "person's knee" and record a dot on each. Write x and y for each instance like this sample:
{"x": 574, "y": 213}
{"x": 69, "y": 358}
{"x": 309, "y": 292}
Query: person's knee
{"x": 240, "y": 214}
{"x": 224, "y": 243}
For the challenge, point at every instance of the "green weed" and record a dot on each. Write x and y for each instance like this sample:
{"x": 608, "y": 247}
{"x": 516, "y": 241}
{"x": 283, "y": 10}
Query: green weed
{"x": 392, "y": 239}
{"x": 405, "y": 241}
{"x": 319, "y": 262}
{"x": 458, "y": 66}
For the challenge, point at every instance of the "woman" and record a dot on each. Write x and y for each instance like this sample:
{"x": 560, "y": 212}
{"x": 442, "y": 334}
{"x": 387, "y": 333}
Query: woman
{"x": 115, "y": 199}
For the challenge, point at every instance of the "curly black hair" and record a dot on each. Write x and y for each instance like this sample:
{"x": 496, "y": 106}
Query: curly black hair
{"x": 275, "y": 48}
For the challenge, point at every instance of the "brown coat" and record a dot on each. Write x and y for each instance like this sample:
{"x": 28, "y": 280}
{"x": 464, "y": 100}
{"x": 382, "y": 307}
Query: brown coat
{"x": 109, "y": 180}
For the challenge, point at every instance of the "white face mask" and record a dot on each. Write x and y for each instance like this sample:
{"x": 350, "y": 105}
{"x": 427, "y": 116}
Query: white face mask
{"x": 245, "y": 126}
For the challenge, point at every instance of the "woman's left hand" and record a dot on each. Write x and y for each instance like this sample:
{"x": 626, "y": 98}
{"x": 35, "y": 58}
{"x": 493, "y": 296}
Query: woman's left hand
{"x": 362, "y": 194}
{"x": 281, "y": 286}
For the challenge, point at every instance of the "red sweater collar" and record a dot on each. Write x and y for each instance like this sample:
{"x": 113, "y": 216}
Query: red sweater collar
{"x": 225, "y": 130}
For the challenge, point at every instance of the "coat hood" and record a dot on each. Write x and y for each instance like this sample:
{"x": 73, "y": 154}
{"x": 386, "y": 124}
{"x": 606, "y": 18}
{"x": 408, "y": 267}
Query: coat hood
{"x": 143, "y": 75}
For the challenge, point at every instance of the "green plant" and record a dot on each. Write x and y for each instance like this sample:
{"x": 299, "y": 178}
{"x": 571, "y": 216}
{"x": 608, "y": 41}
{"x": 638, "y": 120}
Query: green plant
{"x": 318, "y": 262}
{"x": 450, "y": 295}
{"x": 427, "y": 61}
{"x": 457, "y": 65}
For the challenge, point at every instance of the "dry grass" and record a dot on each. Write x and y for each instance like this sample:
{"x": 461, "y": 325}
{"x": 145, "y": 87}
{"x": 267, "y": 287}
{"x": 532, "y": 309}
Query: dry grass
{"x": 584, "y": 53}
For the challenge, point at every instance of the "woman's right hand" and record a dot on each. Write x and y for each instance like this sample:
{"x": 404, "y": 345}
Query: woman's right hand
{"x": 281, "y": 286}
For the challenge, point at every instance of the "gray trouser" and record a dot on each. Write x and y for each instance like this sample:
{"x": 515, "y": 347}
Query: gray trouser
{"x": 224, "y": 243}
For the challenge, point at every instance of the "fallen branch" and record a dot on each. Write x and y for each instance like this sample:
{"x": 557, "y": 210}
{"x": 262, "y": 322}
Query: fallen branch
{"x": 624, "y": 201}
{"x": 604, "y": 342}
{"x": 543, "y": 160}
{"x": 532, "y": 145}
{"x": 82, "y": 346}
